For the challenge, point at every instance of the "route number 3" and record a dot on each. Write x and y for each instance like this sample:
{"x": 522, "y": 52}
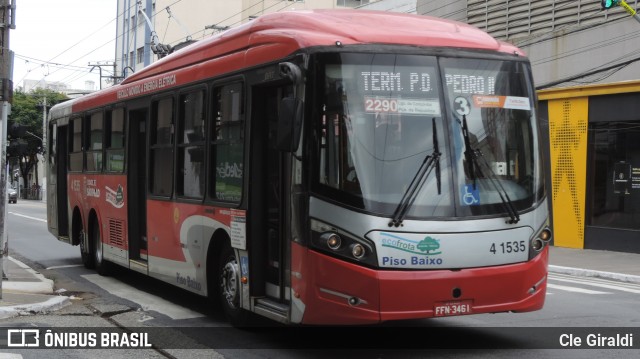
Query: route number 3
{"x": 461, "y": 106}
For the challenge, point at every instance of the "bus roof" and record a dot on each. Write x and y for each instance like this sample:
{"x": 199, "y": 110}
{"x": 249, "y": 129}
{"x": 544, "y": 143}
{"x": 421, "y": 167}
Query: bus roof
{"x": 277, "y": 35}
{"x": 307, "y": 28}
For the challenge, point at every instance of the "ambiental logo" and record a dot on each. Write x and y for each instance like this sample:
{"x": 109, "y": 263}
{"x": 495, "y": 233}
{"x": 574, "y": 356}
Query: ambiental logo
{"x": 115, "y": 197}
{"x": 425, "y": 246}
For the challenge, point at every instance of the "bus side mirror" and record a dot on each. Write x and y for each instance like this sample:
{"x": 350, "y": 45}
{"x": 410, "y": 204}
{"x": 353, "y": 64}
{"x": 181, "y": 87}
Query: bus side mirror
{"x": 289, "y": 124}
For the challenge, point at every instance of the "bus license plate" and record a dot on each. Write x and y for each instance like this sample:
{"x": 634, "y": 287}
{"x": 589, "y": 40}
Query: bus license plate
{"x": 459, "y": 307}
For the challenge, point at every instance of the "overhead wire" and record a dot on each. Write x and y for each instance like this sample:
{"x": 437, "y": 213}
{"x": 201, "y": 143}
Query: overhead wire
{"x": 66, "y": 66}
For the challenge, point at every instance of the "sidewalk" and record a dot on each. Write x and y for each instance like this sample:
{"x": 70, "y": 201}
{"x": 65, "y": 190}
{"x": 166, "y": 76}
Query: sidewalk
{"x": 27, "y": 291}
{"x": 24, "y": 290}
{"x": 619, "y": 266}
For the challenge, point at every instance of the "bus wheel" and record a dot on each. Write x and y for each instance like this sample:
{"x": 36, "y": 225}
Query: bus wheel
{"x": 229, "y": 279}
{"x": 85, "y": 251}
{"x": 100, "y": 264}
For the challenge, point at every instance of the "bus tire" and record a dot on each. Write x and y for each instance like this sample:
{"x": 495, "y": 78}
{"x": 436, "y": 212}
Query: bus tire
{"x": 229, "y": 288}
{"x": 101, "y": 265}
{"x": 85, "y": 250}
{"x": 79, "y": 238}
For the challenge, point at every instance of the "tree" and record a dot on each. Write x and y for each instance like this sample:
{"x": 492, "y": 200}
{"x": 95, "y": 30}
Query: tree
{"x": 27, "y": 111}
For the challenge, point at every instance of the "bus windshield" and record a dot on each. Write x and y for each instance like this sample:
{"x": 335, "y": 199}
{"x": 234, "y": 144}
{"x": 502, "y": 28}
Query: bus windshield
{"x": 379, "y": 114}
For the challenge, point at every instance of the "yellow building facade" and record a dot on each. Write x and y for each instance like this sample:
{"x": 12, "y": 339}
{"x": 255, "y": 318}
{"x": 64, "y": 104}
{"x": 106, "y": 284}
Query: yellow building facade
{"x": 594, "y": 150}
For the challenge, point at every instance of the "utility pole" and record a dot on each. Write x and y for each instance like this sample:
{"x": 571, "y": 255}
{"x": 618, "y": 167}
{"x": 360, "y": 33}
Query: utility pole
{"x": 7, "y": 22}
{"x": 43, "y": 140}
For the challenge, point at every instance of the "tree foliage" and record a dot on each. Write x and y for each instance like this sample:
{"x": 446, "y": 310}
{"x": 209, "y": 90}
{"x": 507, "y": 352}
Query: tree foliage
{"x": 27, "y": 110}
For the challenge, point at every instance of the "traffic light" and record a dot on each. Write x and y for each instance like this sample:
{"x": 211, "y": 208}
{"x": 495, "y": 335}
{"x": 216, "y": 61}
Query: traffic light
{"x": 608, "y": 4}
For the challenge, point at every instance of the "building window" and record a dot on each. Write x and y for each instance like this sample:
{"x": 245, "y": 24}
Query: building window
{"x": 140, "y": 54}
{"x": 615, "y": 179}
{"x": 228, "y": 142}
{"x": 131, "y": 59}
{"x": 161, "y": 145}
{"x": 351, "y": 3}
{"x": 191, "y": 145}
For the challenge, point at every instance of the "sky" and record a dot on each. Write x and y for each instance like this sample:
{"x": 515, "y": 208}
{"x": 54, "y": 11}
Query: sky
{"x": 56, "y": 40}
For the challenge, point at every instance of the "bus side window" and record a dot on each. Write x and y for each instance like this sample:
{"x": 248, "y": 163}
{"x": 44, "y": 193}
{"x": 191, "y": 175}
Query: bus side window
{"x": 52, "y": 143}
{"x": 114, "y": 140}
{"x": 227, "y": 141}
{"x": 75, "y": 145}
{"x": 161, "y": 146}
{"x": 190, "y": 180}
{"x": 94, "y": 131}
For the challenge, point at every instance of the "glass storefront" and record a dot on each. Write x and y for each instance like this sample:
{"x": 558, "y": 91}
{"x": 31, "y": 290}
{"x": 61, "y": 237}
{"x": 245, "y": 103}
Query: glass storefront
{"x": 594, "y": 147}
{"x": 615, "y": 180}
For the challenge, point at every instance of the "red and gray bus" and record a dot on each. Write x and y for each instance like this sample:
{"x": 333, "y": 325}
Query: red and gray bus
{"x": 316, "y": 167}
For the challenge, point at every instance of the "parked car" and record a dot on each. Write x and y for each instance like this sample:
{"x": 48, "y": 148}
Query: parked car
{"x": 12, "y": 194}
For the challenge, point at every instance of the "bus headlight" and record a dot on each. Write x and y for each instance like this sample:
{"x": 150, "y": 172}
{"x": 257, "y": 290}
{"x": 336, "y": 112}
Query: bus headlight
{"x": 333, "y": 240}
{"x": 540, "y": 240}
{"x": 545, "y": 235}
{"x": 358, "y": 251}
{"x": 337, "y": 243}
{"x": 537, "y": 244}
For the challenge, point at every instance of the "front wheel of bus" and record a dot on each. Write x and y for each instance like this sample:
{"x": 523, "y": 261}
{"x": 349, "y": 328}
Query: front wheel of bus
{"x": 229, "y": 280}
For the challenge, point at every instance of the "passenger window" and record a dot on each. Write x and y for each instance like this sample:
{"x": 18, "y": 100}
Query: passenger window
{"x": 161, "y": 148}
{"x": 191, "y": 176}
{"x": 228, "y": 142}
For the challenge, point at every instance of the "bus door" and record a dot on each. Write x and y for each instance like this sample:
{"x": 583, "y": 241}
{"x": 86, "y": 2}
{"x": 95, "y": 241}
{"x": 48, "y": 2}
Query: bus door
{"x": 269, "y": 190}
{"x": 136, "y": 189}
{"x": 57, "y": 181}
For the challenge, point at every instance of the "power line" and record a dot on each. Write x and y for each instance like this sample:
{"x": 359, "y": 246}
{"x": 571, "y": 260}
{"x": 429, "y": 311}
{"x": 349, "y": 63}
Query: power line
{"x": 68, "y": 66}
{"x": 588, "y": 73}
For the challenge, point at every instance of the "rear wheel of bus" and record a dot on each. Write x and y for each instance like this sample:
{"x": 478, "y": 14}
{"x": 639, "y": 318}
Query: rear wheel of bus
{"x": 79, "y": 236}
{"x": 85, "y": 251}
{"x": 101, "y": 265}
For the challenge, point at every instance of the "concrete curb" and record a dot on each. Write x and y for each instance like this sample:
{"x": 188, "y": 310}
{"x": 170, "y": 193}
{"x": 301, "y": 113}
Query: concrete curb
{"x": 594, "y": 273}
{"x": 52, "y": 304}
{"x": 28, "y": 287}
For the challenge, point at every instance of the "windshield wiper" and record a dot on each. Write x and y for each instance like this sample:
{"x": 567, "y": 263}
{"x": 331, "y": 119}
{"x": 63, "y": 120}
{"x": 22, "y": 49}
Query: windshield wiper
{"x": 430, "y": 162}
{"x": 474, "y": 165}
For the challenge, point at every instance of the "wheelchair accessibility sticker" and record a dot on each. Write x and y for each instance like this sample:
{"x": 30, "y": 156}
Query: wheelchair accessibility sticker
{"x": 470, "y": 196}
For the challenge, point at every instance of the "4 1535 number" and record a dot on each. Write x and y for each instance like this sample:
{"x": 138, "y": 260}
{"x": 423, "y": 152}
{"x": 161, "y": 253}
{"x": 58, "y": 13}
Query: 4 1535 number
{"x": 508, "y": 247}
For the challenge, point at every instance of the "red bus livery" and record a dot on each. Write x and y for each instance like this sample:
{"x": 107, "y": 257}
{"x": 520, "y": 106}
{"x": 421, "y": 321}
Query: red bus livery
{"x": 315, "y": 167}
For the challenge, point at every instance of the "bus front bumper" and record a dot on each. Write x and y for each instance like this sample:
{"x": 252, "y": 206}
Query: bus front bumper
{"x": 338, "y": 292}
